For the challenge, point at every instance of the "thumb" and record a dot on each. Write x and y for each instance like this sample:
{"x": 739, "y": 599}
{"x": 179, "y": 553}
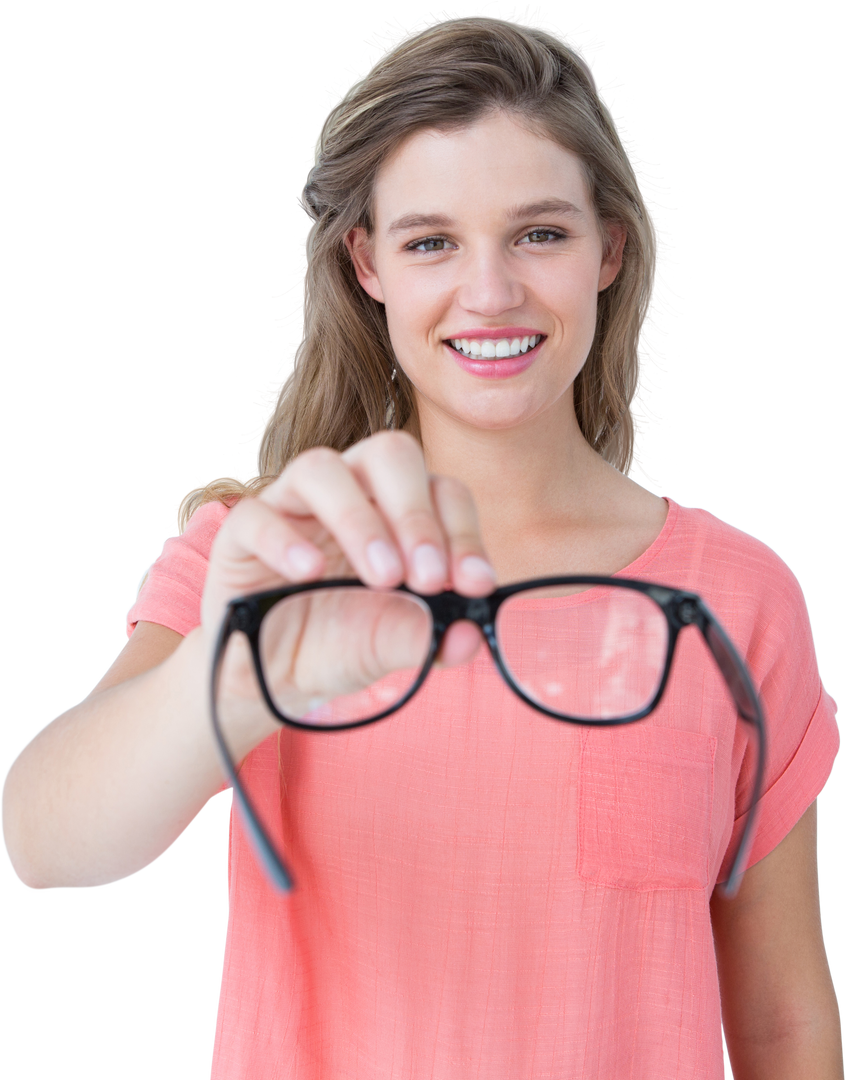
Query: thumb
{"x": 460, "y": 644}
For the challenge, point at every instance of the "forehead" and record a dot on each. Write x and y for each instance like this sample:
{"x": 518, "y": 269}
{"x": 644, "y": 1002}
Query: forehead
{"x": 477, "y": 171}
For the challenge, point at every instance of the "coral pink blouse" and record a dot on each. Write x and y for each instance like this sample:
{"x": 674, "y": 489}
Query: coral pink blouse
{"x": 483, "y": 892}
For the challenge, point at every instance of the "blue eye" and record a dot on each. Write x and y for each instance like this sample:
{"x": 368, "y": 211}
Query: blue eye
{"x": 417, "y": 244}
{"x": 429, "y": 240}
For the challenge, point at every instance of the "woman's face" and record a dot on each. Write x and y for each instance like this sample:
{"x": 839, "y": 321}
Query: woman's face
{"x": 488, "y": 257}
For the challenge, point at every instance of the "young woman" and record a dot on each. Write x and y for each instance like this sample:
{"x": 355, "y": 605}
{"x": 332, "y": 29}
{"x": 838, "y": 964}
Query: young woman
{"x": 480, "y": 890}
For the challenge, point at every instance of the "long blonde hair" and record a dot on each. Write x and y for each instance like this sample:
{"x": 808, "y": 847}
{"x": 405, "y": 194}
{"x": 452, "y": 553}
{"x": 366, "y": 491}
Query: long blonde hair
{"x": 346, "y": 383}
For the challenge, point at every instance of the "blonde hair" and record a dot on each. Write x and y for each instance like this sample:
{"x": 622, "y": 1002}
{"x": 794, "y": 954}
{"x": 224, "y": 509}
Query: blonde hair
{"x": 346, "y": 383}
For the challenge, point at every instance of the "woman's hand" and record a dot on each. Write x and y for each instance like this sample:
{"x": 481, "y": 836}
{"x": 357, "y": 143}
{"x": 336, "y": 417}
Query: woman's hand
{"x": 372, "y": 512}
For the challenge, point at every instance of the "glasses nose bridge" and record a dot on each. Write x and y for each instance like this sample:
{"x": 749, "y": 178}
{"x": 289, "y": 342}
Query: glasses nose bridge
{"x": 451, "y": 608}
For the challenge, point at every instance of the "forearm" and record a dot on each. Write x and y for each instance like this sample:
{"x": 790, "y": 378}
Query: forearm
{"x": 812, "y": 1052}
{"x": 109, "y": 785}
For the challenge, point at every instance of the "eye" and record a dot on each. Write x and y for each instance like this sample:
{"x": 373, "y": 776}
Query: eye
{"x": 546, "y": 232}
{"x": 417, "y": 245}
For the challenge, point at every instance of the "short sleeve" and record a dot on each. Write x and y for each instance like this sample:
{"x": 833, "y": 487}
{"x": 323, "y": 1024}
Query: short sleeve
{"x": 171, "y": 594}
{"x": 802, "y": 734}
{"x": 169, "y": 590}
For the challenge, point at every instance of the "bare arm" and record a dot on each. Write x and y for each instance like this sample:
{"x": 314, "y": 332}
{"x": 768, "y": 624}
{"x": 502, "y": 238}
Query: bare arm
{"x": 779, "y": 1008}
{"x": 111, "y": 783}
{"x": 108, "y": 786}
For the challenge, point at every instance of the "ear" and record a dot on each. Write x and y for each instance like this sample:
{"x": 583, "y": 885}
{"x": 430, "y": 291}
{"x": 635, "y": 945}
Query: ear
{"x": 360, "y": 250}
{"x": 616, "y": 236}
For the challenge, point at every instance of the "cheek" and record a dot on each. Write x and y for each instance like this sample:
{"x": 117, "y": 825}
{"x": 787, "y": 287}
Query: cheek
{"x": 571, "y": 285}
{"x": 414, "y": 311}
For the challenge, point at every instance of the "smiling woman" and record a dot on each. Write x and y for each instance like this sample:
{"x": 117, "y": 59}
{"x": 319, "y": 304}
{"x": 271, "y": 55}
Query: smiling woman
{"x": 515, "y": 240}
{"x": 481, "y": 888}
{"x": 473, "y": 192}
{"x": 347, "y": 378}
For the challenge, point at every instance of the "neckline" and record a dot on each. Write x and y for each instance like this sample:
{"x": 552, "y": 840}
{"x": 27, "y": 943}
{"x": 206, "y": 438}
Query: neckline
{"x": 659, "y": 541}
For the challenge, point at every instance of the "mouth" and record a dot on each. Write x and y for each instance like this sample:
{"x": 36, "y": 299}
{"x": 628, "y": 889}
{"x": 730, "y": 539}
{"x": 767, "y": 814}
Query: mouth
{"x": 496, "y": 367}
{"x": 526, "y": 345}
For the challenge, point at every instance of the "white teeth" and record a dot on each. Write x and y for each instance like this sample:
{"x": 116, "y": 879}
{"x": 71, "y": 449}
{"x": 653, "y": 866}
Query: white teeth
{"x": 498, "y": 348}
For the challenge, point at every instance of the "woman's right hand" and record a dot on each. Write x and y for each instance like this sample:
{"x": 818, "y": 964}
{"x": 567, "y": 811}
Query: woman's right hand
{"x": 372, "y": 512}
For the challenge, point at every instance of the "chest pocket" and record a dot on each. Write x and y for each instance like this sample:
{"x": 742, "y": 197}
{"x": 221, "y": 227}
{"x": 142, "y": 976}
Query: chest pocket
{"x": 645, "y": 803}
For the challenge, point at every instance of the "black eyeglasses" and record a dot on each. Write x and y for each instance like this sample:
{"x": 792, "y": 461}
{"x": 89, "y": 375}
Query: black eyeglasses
{"x": 680, "y": 608}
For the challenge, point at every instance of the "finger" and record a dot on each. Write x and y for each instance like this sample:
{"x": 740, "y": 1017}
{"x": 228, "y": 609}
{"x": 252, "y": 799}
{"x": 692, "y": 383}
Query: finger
{"x": 255, "y": 549}
{"x": 470, "y": 569}
{"x": 460, "y": 644}
{"x": 319, "y": 483}
{"x": 391, "y": 468}
{"x": 256, "y": 531}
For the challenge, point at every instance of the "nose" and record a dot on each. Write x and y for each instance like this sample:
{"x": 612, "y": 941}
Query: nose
{"x": 489, "y": 284}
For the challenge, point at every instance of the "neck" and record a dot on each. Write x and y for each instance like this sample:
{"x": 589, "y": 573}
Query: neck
{"x": 537, "y": 472}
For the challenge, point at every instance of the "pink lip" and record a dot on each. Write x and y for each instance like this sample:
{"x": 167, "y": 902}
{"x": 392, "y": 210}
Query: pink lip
{"x": 494, "y": 332}
{"x": 495, "y": 369}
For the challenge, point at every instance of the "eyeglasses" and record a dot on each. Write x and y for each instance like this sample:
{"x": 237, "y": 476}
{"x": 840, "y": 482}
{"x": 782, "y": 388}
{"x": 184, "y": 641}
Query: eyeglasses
{"x": 585, "y": 649}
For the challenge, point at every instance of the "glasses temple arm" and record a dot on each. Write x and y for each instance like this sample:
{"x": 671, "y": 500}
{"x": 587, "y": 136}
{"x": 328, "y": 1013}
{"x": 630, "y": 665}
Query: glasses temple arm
{"x": 276, "y": 869}
{"x": 738, "y": 681}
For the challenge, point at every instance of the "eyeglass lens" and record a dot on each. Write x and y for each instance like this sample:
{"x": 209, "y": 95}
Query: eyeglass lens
{"x": 343, "y": 655}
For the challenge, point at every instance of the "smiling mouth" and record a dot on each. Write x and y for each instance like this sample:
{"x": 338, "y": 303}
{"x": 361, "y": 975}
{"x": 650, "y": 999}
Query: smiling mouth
{"x": 495, "y": 349}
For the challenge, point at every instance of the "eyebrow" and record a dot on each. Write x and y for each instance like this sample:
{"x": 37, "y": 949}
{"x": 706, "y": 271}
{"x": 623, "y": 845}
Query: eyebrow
{"x": 516, "y": 213}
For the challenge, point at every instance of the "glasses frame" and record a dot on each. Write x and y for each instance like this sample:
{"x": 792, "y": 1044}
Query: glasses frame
{"x": 680, "y": 607}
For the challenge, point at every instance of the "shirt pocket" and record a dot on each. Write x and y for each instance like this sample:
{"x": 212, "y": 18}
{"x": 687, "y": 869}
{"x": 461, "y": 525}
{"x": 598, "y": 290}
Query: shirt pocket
{"x": 645, "y": 804}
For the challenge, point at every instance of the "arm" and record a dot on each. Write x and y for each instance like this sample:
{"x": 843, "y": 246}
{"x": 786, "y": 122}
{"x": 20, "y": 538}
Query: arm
{"x": 779, "y": 1008}
{"x": 110, "y": 784}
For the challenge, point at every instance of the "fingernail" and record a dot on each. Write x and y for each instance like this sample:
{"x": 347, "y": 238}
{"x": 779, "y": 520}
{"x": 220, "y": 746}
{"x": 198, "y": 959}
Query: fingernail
{"x": 479, "y": 569}
{"x": 302, "y": 559}
{"x": 384, "y": 561}
{"x": 429, "y": 564}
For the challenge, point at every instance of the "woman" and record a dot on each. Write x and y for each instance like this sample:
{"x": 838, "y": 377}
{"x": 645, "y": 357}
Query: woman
{"x": 475, "y": 896}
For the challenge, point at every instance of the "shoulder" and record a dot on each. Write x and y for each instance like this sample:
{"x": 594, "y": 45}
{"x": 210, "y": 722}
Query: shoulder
{"x": 205, "y": 520}
{"x": 714, "y": 550}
